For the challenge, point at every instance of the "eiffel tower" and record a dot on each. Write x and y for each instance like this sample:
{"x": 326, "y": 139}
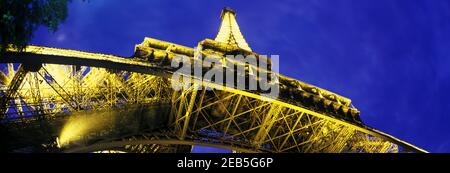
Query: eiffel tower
{"x": 60, "y": 100}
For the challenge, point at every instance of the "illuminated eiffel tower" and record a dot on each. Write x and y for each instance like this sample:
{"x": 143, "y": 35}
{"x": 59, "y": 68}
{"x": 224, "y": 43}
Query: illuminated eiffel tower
{"x": 59, "y": 100}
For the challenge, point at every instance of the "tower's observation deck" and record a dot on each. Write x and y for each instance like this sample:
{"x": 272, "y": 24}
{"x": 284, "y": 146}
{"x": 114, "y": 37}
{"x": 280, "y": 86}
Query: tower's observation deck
{"x": 95, "y": 102}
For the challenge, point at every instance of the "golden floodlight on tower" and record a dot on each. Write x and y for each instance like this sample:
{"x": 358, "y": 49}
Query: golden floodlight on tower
{"x": 92, "y": 102}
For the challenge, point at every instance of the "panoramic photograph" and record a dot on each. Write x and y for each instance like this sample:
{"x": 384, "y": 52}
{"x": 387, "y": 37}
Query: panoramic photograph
{"x": 223, "y": 77}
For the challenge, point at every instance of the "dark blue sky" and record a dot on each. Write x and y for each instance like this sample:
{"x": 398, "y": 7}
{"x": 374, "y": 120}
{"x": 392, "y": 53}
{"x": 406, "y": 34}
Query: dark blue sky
{"x": 391, "y": 57}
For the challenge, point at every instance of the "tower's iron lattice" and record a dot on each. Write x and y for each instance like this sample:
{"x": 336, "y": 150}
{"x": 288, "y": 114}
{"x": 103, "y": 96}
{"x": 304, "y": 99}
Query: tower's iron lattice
{"x": 58, "y": 100}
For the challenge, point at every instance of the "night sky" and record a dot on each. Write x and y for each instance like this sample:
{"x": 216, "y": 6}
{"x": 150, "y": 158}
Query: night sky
{"x": 391, "y": 57}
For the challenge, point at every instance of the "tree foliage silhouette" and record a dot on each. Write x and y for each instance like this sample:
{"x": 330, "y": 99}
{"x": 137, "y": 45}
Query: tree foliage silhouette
{"x": 20, "y": 18}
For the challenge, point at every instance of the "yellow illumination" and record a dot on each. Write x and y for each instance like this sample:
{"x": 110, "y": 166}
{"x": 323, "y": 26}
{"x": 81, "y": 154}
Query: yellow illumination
{"x": 229, "y": 31}
{"x": 78, "y": 126}
{"x": 100, "y": 90}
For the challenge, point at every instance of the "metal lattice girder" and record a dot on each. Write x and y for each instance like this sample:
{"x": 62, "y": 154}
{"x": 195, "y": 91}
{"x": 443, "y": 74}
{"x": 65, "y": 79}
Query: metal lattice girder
{"x": 37, "y": 99}
{"x": 159, "y": 141}
{"x": 227, "y": 117}
{"x": 236, "y": 116}
{"x": 303, "y": 119}
{"x": 157, "y": 62}
{"x": 182, "y": 107}
{"x": 272, "y": 126}
{"x": 64, "y": 95}
{"x": 140, "y": 87}
{"x": 12, "y": 89}
{"x": 34, "y": 95}
{"x": 128, "y": 104}
{"x": 53, "y": 89}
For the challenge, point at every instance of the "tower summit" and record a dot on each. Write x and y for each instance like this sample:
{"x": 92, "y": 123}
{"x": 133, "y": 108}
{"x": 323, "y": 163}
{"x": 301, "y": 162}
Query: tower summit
{"x": 229, "y": 31}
